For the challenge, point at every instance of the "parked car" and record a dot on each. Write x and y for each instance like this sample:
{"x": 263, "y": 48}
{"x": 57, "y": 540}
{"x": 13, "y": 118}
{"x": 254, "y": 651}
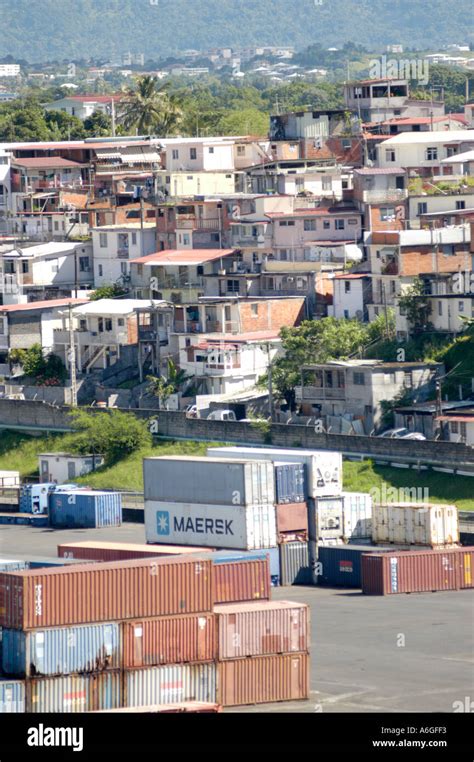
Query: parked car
{"x": 402, "y": 434}
{"x": 222, "y": 415}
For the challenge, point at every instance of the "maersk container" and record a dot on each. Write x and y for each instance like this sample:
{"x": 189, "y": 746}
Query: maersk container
{"x": 12, "y": 696}
{"x": 357, "y": 516}
{"x": 323, "y": 467}
{"x": 34, "y": 498}
{"x": 85, "y": 509}
{"x": 341, "y": 565}
{"x": 209, "y": 481}
{"x": 294, "y": 564}
{"x": 61, "y": 651}
{"x": 170, "y": 684}
{"x": 415, "y": 524}
{"x": 262, "y": 628}
{"x": 245, "y": 527}
{"x": 74, "y": 693}
{"x": 290, "y": 482}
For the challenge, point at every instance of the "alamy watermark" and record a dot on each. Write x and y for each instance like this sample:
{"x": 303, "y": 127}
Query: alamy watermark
{"x": 416, "y": 69}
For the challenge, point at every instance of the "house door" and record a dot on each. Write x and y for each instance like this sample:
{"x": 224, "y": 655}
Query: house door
{"x": 71, "y": 470}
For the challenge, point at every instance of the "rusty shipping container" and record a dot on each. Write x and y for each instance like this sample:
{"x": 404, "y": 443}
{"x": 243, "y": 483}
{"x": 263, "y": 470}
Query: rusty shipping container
{"x": 169, "y": 640}
{"x": 263, "y": 679}
{"x": 121, "y": 551}
{"x": 417, "y": 571}
{"x": 262, "y": 628}
{"x": 170, "y": 684}
{"x": 105, "y": 592}
{"x": 74, "y": 693}
{"x": 187, "y": 707}
{"x": 292, "y": 518}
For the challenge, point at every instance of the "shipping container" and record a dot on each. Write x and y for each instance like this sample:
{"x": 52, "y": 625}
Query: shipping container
{"x": 262, "y": 628}
{"x": 84, "y": 593}
{"x": 292, "y": 517}
{"x": 12, "y": 696}
{"x": 61, "y": 650}
{"x": 74, "y": 693}
{"x": 169, "y": 640}
{"x": 34, "y": 498}
{"x": 85, "y": 509}
{"x": 170, "y": 684}
{"x": 189, "y": 479}
{"x": 294, "y": 564}
{"x": 340, "y": 565}
{"x": 120, "y": 551}
{"x": 290, "y": 482}
{"x": 415, "y": 524}
{"x": 10, "y": 565}
{"x": 417, "y": 571}
{"x": 263, "y": 679}
{"x": 357, "y": 516}
{"x": 325, "y": 519}
{"x": 185, "y": 707}
{"x": 241, "y": 575}
{"x": 244, "y": 527}
{"x": 323, "y": 467}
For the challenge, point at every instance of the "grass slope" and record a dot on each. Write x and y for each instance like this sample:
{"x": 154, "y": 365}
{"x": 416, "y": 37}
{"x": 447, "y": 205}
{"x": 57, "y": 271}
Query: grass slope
{"x": 19, "y": 452}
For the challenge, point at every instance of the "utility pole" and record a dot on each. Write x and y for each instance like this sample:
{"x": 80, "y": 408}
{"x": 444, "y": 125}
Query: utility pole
{"x": 270, "y": 385}
{"x": 112, "y": 111}
{"x": 384, "y": 296}
{"x": 72, "y": 360}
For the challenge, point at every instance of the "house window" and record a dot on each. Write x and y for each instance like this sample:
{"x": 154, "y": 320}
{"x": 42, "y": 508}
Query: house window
{"x": 460, "y": 204}
{"x": 283, "y": 255}
{"x": 463, "y": 429}
{"x": 101, "y": 271}
{"x": 100, "y": 324}
{"x": 431, "y": 153}
{"x": 270, "y": 284}
{"x": 448, "y": 249}
{"x": 24, "y": 268}
{"x": 422, "y": 208}
{"x": 408, "y": 379}
{"x": 123, "y": 268}
{"x": 103, "y": 240}
{"x": 327, "y": 183}
{"x": 346, "y": 314}
{"x": 326, "y": 224}
{"x": 108, "y": 324}
{"x": 186, "y": 239}
{"x": 139, "y": 270}
{"x": 120, "y": 322}
{"x": 347, "y": 286}
{"x": 2, "y": 326}
{"x": 440, "y": 308}
{"x": 134, "y": 239}
{"x": 84, "y": 265}
{"x": 451, "y": 151}
{"x": 55, "y": 267}
{"x": 193, "y": 154}
{"x": 461, "y": 306}
{"x": 254, "y": 310}
{"x": 189, "y": 177}
{"x": 233, "y": 286}
{"x": 359, "y": 379}
{"x": 240, "y": 150}
{"x": 389, "y": 155}
{"x": 310, "y": 224}
{"x": 211, "y": 149}
{"x": 454, "y": 427}
{"x": 340, "y": 224}
{"x": 352, "y": 221}
{"x": 175, "y": 153}
{"x": 387, "y": 213}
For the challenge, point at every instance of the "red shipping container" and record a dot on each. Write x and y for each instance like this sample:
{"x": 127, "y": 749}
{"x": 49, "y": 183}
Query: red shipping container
{"x": 417, "y": 571}
{"x": 261, "y": 628}
{"x": 263, "y": 680}
{"x": 169, "y": 640}
{"x": 105, "y": 592}
{"x": 292, "y": 517}
{"x": 242, "y": 581}
{"x": 121, "y": 551}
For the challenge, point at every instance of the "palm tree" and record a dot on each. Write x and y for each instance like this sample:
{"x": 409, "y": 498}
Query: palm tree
{"x": 149, "y": 108}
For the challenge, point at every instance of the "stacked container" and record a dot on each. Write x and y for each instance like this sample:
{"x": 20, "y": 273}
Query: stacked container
{"x": 415, "y": 524}
{"x": 85, "y": 509}
{"x": 223, "y": 503}
{"x": 262, "y": 652}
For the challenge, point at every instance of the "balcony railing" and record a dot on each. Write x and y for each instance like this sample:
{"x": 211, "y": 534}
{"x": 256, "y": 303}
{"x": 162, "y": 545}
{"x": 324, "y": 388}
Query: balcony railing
{"x": 321, "y": 393}
{"x": 384, "y": 196}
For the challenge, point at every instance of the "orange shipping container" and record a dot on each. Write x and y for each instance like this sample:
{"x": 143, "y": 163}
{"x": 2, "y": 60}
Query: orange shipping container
{"x": 292, "y": 517}
{"x": 105, "y": 592}
{"x": 121, "y": 551}
{"x": 169, "y": 640}
{"x": 258, "y": 629}
{"x": 263, "y": 679}
{"x": 241, "y": 581}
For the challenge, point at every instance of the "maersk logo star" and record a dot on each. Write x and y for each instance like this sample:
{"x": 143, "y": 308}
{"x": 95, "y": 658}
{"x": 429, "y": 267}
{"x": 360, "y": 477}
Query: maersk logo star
{"x": 163, "y": 522}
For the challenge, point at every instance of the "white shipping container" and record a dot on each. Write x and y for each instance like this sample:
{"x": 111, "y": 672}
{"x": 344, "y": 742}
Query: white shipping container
{"x": 357, "y": 515}
{"x": 324, "y": 467}
{"x": 240, "y": 527}
{"x": 328, "y": 518}
{"x": 189, "y": 479}
{"x": 424, "y": 524}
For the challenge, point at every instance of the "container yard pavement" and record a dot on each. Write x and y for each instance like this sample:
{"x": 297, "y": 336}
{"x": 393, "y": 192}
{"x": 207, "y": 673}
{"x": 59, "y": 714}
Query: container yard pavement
{"x": 356, "y": 664}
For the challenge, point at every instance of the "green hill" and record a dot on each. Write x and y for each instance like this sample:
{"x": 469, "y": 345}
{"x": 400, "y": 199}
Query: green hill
{"x": 78, "y": 29}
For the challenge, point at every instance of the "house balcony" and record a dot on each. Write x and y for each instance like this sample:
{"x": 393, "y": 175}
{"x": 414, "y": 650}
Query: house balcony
{"x": 123, "y": 253}
{"x": 317, "y": 394}
{"x": 221, "y": 370}
{"x": 90, "y": 338}
{"x": 391, "y": 195}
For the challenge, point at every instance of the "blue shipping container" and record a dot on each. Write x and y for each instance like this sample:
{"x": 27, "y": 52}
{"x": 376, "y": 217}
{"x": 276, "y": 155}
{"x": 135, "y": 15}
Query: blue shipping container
{"x": 340, "y": 565}
{"x": 34, "y": 498}
{"x": 11, "y": 565}
{"x": 61, "y": 650}
{"x": 12, "y": 696}
{"x": 290, "y": 482}
{"x": 74, "y": 693}
{"x": 85, "y": 509}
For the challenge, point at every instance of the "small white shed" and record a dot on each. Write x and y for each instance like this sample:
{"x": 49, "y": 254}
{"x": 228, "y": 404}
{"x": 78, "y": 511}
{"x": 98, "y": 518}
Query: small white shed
{"x": 62, "y": 467}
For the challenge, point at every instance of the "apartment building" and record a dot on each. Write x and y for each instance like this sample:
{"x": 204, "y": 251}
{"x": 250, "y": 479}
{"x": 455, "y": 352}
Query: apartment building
{"x": 424, "y": 151}
{"x": 115, "y": 246}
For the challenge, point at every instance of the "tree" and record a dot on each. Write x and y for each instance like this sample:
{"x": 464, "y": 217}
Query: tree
{"x": 107, "y": 292}
{"x": 47, "y": 370}
{"x": 114, "y": 434}
{"x": 64, "y": 126}
{"x": 98, "y": 125}
{"x": 150, "y": 109}
{"x": 247, "y": 121}
{"x": 415, "y": 305}
{"x": 163, "y": 387}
